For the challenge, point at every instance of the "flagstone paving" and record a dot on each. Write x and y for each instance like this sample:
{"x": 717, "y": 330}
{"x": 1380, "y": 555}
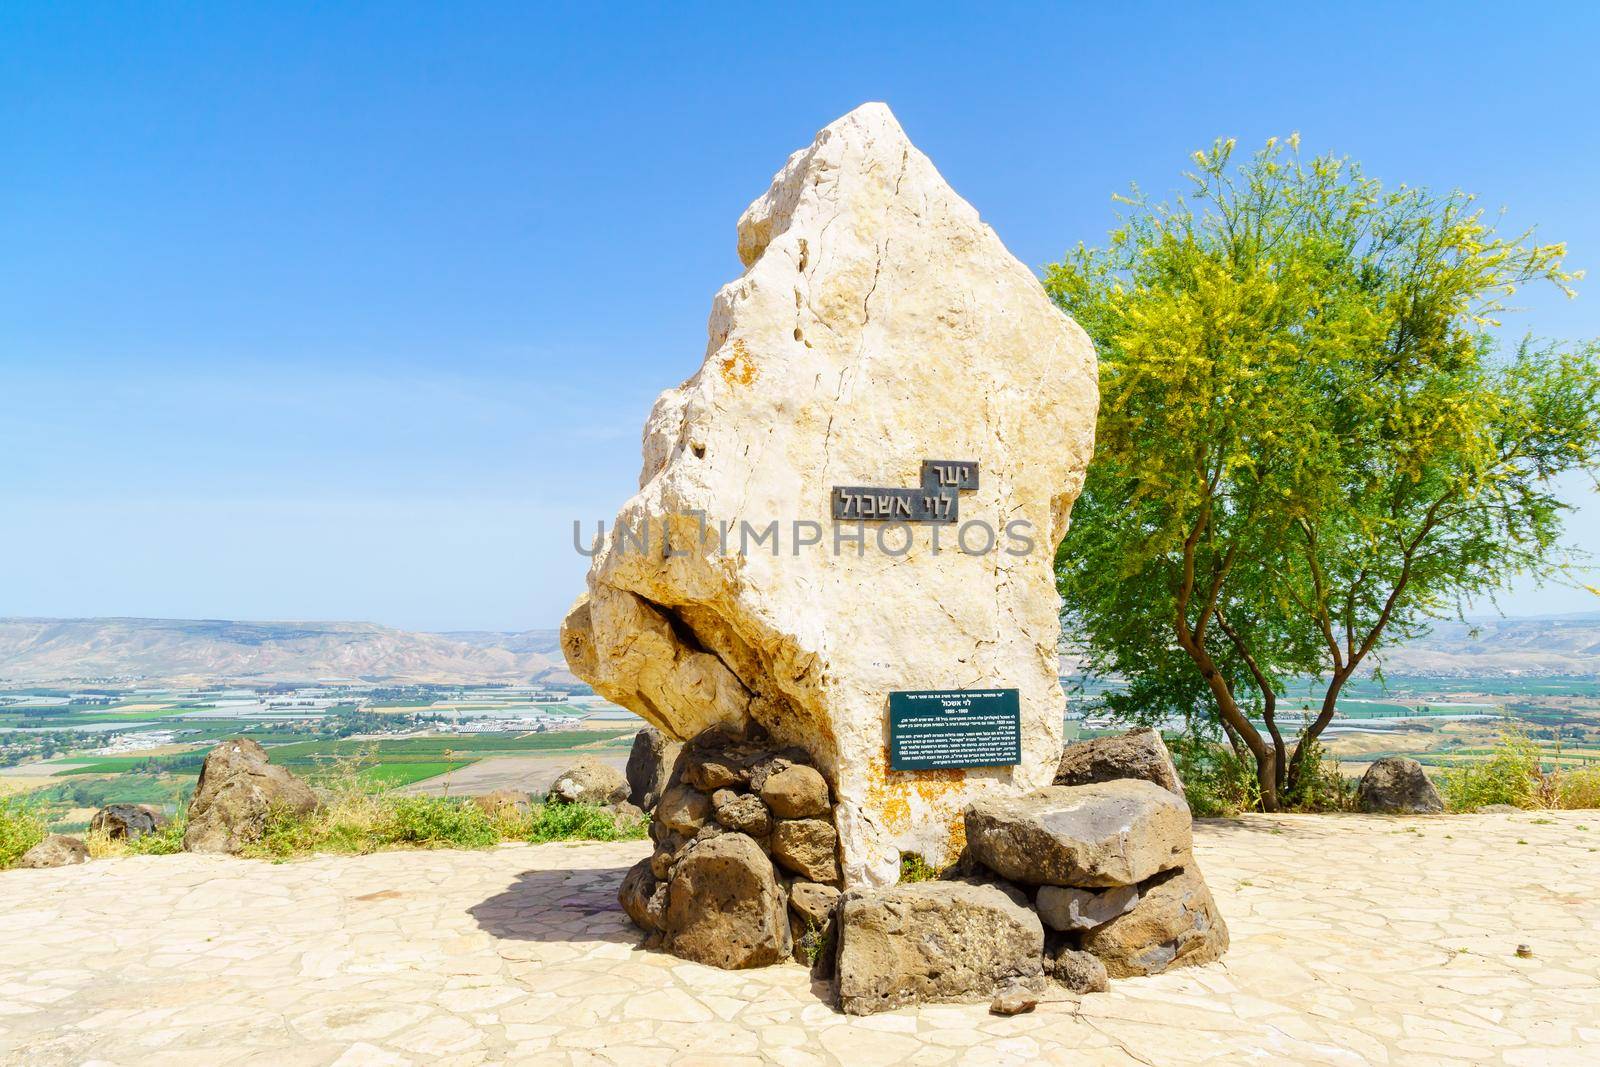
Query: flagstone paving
{"x": 1356, "y": 940}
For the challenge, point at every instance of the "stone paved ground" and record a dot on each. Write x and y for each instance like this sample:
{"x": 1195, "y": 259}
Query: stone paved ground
{"x": 1355, "y": 940}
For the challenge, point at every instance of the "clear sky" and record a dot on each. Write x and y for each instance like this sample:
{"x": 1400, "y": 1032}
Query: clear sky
{"x": 347, "y": 311}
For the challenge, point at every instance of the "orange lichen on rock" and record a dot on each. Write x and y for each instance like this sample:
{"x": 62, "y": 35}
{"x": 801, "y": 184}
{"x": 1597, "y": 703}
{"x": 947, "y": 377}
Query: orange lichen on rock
{"x": 738, "y": 368}
{"x": 890, "y": 793}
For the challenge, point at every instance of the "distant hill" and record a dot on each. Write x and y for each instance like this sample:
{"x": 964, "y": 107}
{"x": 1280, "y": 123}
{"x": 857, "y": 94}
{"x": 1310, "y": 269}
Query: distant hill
{"x": 58, "y": 650}
{"x": 1549, "y": 645}
{"x": 42, "y": 651}
{"x": 543, "y": 642}
{"x": 1501, "y": 647}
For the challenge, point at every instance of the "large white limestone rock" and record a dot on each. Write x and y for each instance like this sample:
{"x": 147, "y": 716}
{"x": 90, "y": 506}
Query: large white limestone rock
{"x": 878, "y": 323}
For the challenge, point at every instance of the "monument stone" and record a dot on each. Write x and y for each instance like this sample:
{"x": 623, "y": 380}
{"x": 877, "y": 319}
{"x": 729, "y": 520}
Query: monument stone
{"x": 843, "y": 537}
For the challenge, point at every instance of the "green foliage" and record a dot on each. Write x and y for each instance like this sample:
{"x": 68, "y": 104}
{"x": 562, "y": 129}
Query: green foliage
{"x": 358, "y": 824}
{"x": 1216, "y": 781}
{"x": 1308, "y": 445}
{"x": 356, "y": 816}
{"x": 20, "y": 829}
{"x": 433, "y": 822}
{"x": 1319, "y": 786}
{"x": 913, "y": 868}
{"x": 582, "y": 822}
{"x": 1511, "y": 775}
{"x": 814, "y": 941}
{"x": 164, "y": 842}
{"x": 163, "y": 792}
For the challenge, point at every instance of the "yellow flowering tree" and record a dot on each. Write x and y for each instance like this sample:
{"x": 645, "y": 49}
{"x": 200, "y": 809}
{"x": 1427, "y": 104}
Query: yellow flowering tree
{"x": 1309, "y": 443}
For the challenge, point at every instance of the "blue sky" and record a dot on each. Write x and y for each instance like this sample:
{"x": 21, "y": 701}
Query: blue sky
{"x": 346, "y": 311}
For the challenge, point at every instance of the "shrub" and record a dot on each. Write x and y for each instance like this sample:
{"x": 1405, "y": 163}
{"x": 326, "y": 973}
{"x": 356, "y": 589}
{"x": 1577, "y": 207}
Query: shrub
{"x": 20, "y": 829}
{"x": 1216, "y": 781}
{"x": 435, "y": 822}
{"x": 1580, "y": 788}
{"x": 1511, "y": 775}
{"x": 571, "y": 822}
{"x": 163, "y": 842}
{"x": 359, "y": 818}
{"x": 1321, "y": 786}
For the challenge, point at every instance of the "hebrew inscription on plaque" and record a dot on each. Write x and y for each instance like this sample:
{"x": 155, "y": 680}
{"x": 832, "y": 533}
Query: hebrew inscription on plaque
{"x": 935, "y": 500}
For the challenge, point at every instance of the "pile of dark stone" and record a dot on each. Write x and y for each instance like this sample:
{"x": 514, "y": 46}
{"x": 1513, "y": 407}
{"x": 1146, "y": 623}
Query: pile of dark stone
{"x": 1086, "y": 880}
{"x": 1089, "y": 879}
{"x": 745, "y": 870}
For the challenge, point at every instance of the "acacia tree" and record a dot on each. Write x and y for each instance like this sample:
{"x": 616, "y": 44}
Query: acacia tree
{"x": 1309, "y": 444}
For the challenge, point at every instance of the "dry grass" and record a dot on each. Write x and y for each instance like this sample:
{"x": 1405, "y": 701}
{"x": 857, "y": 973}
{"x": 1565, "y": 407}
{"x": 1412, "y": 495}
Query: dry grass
{"x": 354, "y": 816}
{"x": 164, "y": 842}
{"x": 15, "y": 785}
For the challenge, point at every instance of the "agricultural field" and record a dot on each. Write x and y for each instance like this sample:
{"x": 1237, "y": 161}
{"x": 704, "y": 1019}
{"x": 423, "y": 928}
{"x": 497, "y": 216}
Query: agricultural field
{"x": 1439, "y": 722}
{"x": 72, "y": 752}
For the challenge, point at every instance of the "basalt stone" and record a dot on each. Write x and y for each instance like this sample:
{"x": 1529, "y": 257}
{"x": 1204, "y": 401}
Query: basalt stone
{"x": 57, "y": 850}
{"x": 126, "y": 822}
{"x": 811, "y": 908}
{"x": 643, "y": 896}
{"x": 590, "y": 782}
{"x": 722, "y": 759}
{"x": 650, "y": 766}
{"x": 237, "y": 790}
{"x": 808, "y": 847}
{"x": 1136, "y": 754}
{"x": 795, "y": 792}
{"x": 1105, "y": 834}
{"x": 933, "y": 941}
{"x": 724, "y": 907}
{"x": 1064, "y": 908}
{"x": 665, "y": 855}
{"x": 813, "y": 901}
{"x": 743, "y": 812}
{"x": 1079, "y": 971}
{"x": 1395, "y": 785}
{"x": 781, "y": 760}
{"x": 1014, "y": 999}
{"x": 683, "y": 809}
{"x": 871, "y": 305}
{"x": 1175, "y": 924}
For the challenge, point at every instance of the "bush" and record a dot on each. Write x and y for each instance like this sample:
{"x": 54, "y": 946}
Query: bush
{"x": 573, "y": 822}
{"x": 20, "y": 829}
{"x": 434, "y": 822}
{"x": 367, "y": 822}
{"x": 356, "y": 816}
{"x": 163, "y": 842}
{"x": 1511, "y": 775}
{"x": 1320, "y": 787}
{"x": 1216, "y": 781}
{"x": 1580, "y": 789}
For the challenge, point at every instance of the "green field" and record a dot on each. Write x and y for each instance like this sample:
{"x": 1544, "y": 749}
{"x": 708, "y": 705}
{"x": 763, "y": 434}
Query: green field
{"x": 474, "y": 746}
{"x": 392, "y": 775}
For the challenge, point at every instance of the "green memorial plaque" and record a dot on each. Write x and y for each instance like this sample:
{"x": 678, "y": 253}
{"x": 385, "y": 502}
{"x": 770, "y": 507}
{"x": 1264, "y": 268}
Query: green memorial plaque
{"x": 931, "y": 728}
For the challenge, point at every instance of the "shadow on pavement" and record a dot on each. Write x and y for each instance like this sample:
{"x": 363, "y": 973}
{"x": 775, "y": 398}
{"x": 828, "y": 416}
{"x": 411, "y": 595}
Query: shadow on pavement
{"x": 578, "y": 904}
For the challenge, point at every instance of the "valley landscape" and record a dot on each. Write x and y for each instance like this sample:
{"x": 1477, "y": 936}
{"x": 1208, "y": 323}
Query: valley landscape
{"x": 103, "y": 711}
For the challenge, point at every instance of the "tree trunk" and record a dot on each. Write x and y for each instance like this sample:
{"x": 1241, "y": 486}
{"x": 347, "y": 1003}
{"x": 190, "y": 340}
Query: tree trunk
{"x": 1330, "y": 701}
{"x": 1234, "y": 740}
{"x": 1267, "y": 778}
{"x": 1232, "y": 717}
